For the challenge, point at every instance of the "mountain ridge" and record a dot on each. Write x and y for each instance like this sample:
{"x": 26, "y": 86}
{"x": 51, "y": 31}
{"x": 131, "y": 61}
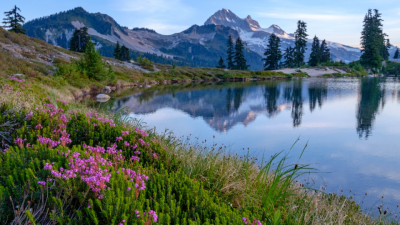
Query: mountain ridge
{"x": 195, "y": 46}
{"x": 199, "y": 45}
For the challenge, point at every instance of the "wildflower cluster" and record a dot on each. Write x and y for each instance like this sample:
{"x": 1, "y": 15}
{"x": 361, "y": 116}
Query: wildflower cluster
{"x": 249, "y": 222}
{"x": 102, "y": 166}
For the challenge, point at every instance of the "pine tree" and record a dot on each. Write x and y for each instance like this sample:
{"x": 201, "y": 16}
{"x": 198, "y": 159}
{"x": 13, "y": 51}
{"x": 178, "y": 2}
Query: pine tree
{"x": 273, "y": 53}
{"x": 94, "y": 65}
{"x": 230, "y": 53}
{"x": 85, "y": 38}
{"x": 117, "y": 51}
{"x": 385, "y": 49}
{"x": 221, "y": 63}
{"x": 239, "y": 60}
{"x": 289, "y": 57}
{"x": 396, "y": 54}
{"x": 13, "y": 20}
{"x": 372, "y": 39}
{"x": 80, "y": 40}
{"x": 301, "y": 42}
{"x": 325, "y": 53}
{"x": 125, "y": 54}
{"x": 315, "y": 56}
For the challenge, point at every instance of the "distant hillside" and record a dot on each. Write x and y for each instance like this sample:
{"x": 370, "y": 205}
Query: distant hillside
{"x": 199, "y": 46}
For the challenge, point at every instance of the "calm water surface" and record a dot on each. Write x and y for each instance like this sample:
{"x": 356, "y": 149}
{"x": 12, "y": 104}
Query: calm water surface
{"x": 351, "y": 125}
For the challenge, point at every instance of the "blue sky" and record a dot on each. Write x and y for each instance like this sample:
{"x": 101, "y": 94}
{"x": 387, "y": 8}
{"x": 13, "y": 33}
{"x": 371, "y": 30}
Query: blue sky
{"x": 339, "y": 20}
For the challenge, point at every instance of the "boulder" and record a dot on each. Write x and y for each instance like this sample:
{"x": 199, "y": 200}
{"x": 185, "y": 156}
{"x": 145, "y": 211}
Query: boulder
{"x": 102, "y": 97}
{"x": 107, "y": 89}
{"x": 18, "y": 76}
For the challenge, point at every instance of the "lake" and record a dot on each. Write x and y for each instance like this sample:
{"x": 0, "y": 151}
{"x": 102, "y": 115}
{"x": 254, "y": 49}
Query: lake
{"x": 351, "y": 125}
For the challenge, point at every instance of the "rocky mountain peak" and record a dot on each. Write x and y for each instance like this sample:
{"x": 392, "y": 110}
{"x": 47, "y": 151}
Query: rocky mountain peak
{"x": 228, "y": 18}
{"x": 254, "y": 25}
{"x": 276, "y": 30}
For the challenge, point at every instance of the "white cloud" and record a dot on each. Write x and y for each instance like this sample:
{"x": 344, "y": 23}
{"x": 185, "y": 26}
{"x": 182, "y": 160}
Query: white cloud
{"x": 307, "y": 16}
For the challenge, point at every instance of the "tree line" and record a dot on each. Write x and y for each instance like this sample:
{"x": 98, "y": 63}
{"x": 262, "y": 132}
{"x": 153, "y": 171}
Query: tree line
{"x": 235, "y": 59}
{"x": 375, "y": 45}
{"x": 294, "y": 56}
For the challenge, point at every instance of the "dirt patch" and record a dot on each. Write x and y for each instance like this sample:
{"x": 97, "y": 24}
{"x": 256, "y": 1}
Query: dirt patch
{"x": 313, "y": 72}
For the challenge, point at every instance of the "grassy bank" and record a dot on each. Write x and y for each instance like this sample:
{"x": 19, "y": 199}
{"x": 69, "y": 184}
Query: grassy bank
{"x": 64, "y": 163}
{"x": 186, "y": 184}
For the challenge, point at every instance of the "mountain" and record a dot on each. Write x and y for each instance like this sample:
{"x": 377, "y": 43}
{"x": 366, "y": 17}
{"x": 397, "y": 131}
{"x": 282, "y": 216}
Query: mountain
{"x": 196, "y": 46}
{"x": 256, "y": 37}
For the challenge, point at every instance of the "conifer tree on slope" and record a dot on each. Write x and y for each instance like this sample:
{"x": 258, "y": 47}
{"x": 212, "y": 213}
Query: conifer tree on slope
{"x": 239, "y": 60}
{"x": 94, "y": 65}
{"x": 221, "y": 63}
{"x": 396, "y": 54}
{"x": 117, "y": 51}
{"x": 372, "y": 41}
{"x": 301, "y": 42}
{"x": 125, "y": 55}
{"x": 273, "y": 53}
{"x": 13, "y": 20}
{"x": 289, "y": 57}
{"x": 230, "y": 53}
{"x": 80, "y": 40}
{"x": 315, "y": 56}
{"x": 385, "y": 49}
{"x": 325, "y": 53}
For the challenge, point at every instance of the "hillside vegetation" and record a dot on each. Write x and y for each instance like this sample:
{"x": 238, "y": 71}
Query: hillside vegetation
{"x": 64, "y": 163}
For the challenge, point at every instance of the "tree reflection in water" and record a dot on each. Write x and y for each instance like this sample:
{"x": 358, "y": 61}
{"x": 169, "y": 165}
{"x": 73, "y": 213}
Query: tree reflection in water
{"x": 293, "y": 93}
{"x": 317, "y": 93}
{"x": 271, "y": 94}
{"x": 371, "y": 94}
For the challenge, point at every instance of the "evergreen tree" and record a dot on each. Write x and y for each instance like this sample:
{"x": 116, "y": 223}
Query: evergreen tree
{"x": 372, "y": 39}
{"x": 325, "y": 53}
{"x": 80, "y": 40}
{"x": 273, "y": 53}
{"x": 301, "y": 42}
{"x": 13, "y": 21}
{"x": 230, "y": 53}
{"x": 315, "y": 56}
{"x": 289, "y": 57}
{"x": 239, "y": 60}
{"x": 94, "y": 65}
{"x": 221, "y": 63}
{"x": 385, "y": 49}
{"x": 125, "y": 55}
{"x": 85, "y": 38}
{"x": 117, "y": 51}
{"x": 396, "y": 54}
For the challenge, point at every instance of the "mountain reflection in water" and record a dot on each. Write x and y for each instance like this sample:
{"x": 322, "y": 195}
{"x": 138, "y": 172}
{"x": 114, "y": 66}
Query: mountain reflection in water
{"x": 223, "y": 105}
{"x": 350, "y": 125}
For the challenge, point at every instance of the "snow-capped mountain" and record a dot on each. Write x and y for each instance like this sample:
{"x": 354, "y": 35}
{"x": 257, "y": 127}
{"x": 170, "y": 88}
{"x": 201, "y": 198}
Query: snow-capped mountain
{"x": 256, "y": 37}
{"x": 196, "y": 46}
